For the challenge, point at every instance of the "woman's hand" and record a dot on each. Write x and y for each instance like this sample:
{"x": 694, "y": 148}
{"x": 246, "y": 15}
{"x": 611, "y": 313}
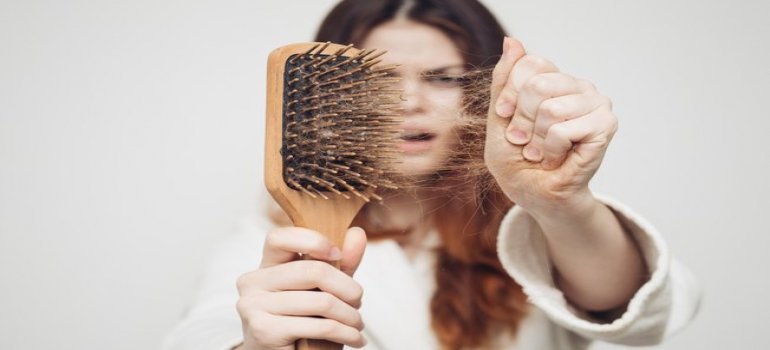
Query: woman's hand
{"x": 547, "y": 132}
{"x": 278, "y": 304}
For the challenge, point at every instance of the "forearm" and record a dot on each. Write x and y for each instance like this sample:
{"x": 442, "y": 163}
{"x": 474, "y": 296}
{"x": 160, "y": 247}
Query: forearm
{"x": 598, "y": 266}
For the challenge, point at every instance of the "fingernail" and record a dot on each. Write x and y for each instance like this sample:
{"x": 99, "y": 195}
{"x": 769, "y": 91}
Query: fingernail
{"x": 531, "y": 153}
{"x": 335, "y": 254}
{"x": 516, "y": 136}
{"x": 503, "y": 108}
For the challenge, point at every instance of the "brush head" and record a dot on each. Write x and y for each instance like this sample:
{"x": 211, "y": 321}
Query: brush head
{"x": 340, "y": 114}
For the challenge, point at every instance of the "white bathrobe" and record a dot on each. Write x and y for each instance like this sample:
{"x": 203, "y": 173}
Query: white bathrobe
{"x": 397, "y": 291}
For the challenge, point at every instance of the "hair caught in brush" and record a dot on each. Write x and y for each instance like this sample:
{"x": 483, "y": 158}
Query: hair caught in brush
{"x": 465, "y": 168}
{"x": 475, "y": 299}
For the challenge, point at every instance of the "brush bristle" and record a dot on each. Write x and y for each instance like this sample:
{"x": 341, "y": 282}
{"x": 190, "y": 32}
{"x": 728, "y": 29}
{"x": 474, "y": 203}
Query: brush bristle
{"x": 340, "y": 115}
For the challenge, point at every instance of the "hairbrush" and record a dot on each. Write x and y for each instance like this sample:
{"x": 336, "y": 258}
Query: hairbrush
{"x": 332, "y": 113}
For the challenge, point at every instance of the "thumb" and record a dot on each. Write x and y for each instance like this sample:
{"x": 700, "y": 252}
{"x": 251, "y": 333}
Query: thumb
{"x": 504, "y": 102}
{"x": 353, "y": 250}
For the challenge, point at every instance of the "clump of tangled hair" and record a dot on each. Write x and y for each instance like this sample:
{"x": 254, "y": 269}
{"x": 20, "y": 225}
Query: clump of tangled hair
{"x": 475, "y": 299}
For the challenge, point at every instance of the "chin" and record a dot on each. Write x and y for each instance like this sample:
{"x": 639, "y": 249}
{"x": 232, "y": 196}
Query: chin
{"x": 417, "y": 166}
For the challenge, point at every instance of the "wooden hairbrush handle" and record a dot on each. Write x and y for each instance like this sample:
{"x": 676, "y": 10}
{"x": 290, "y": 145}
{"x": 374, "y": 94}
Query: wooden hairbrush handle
{"x": 323, "y": 200}
{"x": 331, "y": 217}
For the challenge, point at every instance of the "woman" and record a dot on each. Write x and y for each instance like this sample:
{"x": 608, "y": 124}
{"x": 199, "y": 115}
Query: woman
{"x": 452, "y": 264}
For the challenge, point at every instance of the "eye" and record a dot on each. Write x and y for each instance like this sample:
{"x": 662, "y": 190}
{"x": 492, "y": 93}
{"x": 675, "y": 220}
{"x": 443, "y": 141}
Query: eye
{"x": 394, "y": 73}
{"x": 444, "y": 80}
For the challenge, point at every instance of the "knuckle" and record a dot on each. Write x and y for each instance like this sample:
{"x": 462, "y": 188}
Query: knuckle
{"x": 538, "y": 84}
{"x": 607, "y": 102}
{"x": 242, "y": 282}
{"x": 613, "y": 125}
{"x": 357, "y": 295}
{"x": 273, "y": 238}
{"x": 554, "y": 109}
{"x": 243, "y": 307}
{"x": 359, "y": 321}
{"x": 247, "y": 306}
{"x": 608, "y": 122}
{"x": 556, "y": 132}
{"x": 326, "y": 303}
{"x": 587, "y": 85}
{"x": 249, "y": 281}
{"x": 538, "y": 62}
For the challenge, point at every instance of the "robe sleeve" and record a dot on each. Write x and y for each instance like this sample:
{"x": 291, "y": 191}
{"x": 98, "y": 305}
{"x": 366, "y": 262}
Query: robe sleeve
{"x": 663, "y": 305}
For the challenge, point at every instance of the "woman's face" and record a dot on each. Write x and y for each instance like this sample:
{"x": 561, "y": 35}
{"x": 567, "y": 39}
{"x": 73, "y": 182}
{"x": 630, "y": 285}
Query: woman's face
{"x": 429, "y": 67}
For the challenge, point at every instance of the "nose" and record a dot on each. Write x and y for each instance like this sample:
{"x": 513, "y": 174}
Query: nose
{"x": 412, "y": 97}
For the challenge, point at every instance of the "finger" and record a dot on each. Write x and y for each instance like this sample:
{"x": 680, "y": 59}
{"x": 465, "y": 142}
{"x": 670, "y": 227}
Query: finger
{"x": 321, "y": 328}
{"x": 505, "y": 103}
{"x": 529, "y": 66}
{"x": 586, "y": 85}
{"x": 556, "y": 110}
{"x": 285, "y": 330}
{"x": 524, "y": 69}
{"x": 303, "y": 275}
{"x": 593, "y": 130}
{"x": 283, "y": 244}
{"x": 563, "y": 108}
{"x": 353, "y": 250}
{"x": 535, "y": 91}
{"x": 311, "y": 303}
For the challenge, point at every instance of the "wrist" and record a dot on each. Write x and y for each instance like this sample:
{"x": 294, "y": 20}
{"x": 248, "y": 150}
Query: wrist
{"x": 578, "y": 206}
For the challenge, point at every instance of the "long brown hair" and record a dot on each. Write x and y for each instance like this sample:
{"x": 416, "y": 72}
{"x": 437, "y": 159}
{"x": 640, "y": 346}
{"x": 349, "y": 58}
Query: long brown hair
{"x": 475, "y": 299}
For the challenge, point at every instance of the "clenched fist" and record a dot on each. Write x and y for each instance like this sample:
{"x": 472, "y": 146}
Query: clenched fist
{"x": 547, "y": 132}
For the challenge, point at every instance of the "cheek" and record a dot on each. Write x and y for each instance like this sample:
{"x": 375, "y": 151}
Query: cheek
{"x": 446, "y": 110}
{"x": 446, "y": 100}
{"x": 448, "y": 137}
{"x": 446, "y": 145}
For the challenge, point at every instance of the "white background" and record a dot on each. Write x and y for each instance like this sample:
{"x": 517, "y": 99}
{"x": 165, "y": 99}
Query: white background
{"x": 130, "y": 143}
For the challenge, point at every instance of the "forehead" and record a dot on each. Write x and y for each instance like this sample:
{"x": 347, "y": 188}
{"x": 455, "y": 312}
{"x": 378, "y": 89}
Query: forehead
{"x": 413, "y": 45}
